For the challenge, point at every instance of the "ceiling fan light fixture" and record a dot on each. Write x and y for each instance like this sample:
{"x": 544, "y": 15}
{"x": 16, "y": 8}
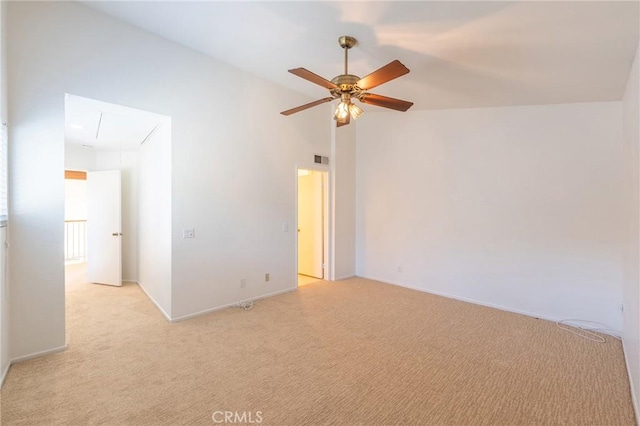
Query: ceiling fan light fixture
{"x": 355, "y": 111}
{"x": 347, "y": 87}
{"x": 342, "y": 111}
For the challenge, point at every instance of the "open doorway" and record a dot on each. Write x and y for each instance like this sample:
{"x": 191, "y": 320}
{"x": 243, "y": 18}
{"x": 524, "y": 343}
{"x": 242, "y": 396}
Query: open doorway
{"x": 93, "y": 249}
{"x": 75, "y": 217}
{"x": 75, "y": 225}
{"x": 312, "y": 225}
{"x": 104, "y": 140}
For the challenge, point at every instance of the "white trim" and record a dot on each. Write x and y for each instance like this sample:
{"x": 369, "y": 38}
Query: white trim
{"x": 464, "y": 299}
{"x": 38, "y": 354}
{"x": 346, "y": 277}
{"x": 4, "y": 375}
{"x": 166, "y": 315}
{"x": 125, "y": 280}
{"x": 228, "y": 305}
{"x": 634, "y": 395}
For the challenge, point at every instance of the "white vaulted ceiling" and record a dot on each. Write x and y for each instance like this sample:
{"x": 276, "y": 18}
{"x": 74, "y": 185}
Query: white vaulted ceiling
{"x": 461, "y": 54}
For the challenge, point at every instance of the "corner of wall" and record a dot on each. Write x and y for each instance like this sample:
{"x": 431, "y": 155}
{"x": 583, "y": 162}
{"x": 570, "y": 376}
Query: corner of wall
{"x": 343, "y": 238}
{"x": 631, "y": 291}
{"x": 4, "y": 290}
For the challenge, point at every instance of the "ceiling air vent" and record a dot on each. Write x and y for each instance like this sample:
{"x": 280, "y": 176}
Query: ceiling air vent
{"x": 319, "y": 159}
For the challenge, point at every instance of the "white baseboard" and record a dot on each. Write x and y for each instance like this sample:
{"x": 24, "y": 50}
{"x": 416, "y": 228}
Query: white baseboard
{"x": 344, "y": 277}
{"x": 634, "y": 395}
{"x": 4, "y": 374}
{"x": 28, "y": 357}
{"x": 38, "y": 354}
{"x": 166, "y": 315}
{"x": 468, "y": 300}
{"x": 228, "y": 305}
{"x": 478, "y": 302}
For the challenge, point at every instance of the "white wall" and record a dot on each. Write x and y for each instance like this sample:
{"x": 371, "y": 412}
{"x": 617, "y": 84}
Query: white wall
{"x": 36, "y": 193}
{"x": 234, "y": 181}
{"x": 343, "y": 167}
{"x": 154, "y": 218}
{"x": 4, "y": 310}
{"x": 78, "y": 158}
{"x": 631, "y": 292}
{"x": 4, "y": 286}
{"x": 516, "y": 207}
{"x": 236, "y": 187}
{"x": 227, "y": 134}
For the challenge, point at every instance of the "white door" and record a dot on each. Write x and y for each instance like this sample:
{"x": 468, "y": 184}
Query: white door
{"x": 310, "y": 223}
{"x": 104, "y": 233}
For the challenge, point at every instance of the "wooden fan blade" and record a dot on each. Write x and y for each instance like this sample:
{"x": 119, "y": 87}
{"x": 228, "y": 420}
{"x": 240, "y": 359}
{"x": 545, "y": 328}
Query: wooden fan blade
{"x": 305, "y": 106}
{"x": 390, "y": 71}
{"x": 314, "y": 78}
{"x": 384, "y": 101}
{"x": 345, "y": 122}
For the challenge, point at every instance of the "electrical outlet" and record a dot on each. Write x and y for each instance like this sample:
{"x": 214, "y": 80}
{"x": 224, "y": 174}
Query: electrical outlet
{"x": 266, "y": 277}
{"x": 243, "y": 282}
{"x": 399, "y": 268}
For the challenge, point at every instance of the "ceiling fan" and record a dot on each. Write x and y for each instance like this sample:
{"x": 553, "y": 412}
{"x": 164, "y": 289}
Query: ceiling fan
{"x": 348, "y": 87}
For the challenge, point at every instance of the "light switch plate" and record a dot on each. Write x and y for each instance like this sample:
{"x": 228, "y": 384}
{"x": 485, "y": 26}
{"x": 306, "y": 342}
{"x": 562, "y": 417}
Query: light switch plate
{"x": 188, "y": 233}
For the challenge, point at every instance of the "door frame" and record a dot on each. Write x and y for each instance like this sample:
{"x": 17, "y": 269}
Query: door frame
{"x": 327, "y": 221}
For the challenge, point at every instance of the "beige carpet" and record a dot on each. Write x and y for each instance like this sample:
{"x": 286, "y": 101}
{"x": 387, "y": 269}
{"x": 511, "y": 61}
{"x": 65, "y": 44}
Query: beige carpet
{"x": 305, "y": 279}
{"x": 352, "y": 352}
